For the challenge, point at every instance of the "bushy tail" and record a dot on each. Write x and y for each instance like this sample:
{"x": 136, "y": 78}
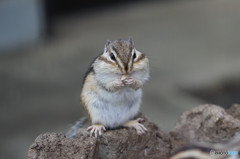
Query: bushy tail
{"x": 79, "y": 124}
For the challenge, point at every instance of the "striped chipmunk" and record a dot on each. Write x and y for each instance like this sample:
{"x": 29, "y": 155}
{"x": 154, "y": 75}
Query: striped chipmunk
{"x": 112, "y": 89}
{"x": 203, "y": 150}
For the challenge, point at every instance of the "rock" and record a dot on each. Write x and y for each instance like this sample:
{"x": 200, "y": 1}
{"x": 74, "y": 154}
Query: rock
{"x": 121, "y": 143}
{"x": 125, "y": 143}
{"x": 208, "y": 123}
{"x": 57, "y": 146}
{"x": 234, "y": 110}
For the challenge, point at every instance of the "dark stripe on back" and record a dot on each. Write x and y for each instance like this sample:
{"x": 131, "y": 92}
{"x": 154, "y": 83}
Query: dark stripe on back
{"x": 90, "y": 69}
{"x": 193, "y": 147}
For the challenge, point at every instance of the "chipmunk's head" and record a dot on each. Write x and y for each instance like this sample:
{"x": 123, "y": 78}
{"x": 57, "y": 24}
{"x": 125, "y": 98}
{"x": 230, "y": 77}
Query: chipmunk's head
{"x": 121, "y": 55}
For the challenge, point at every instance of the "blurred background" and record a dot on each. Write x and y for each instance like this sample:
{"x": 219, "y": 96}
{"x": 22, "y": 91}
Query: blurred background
{"x": 46, "y": 47}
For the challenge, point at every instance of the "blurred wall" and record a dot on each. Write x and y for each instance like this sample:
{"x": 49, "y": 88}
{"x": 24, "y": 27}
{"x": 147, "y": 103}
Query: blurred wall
{"x": 21, "y": 23}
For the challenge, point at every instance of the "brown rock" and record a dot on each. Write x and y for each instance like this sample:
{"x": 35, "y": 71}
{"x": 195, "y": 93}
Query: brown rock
{"x": 209, "y": 123}
{"x": 56, "y": 146}
{"x": 121, "y": 143}
{"x": 234, "y": 110}
{"x": 124, "y": 143}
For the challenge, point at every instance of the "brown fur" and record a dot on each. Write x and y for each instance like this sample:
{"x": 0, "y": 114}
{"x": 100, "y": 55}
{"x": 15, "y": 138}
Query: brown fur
{"x": 123, "y": 50}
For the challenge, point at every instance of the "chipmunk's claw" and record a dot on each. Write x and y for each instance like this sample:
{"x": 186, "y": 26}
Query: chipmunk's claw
{"x": 96, "y": 130}
{"x": 136, "y": 124}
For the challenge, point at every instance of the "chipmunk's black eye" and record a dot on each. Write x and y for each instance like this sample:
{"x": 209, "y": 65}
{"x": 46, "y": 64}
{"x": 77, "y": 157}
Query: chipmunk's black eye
{"x": 112, "y": 56}
{"x": 134, "y": 55}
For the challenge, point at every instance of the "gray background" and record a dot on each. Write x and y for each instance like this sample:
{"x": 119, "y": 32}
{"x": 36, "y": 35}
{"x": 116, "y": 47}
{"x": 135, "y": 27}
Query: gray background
{"x": 191, "y": 45}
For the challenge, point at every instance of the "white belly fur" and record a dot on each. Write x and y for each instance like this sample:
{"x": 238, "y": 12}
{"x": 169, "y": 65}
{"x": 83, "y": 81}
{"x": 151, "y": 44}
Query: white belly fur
{"x": 114, "y": 109}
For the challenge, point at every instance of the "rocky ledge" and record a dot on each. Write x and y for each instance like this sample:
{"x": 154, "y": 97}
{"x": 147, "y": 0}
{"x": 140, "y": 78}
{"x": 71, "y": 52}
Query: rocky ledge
{"x": 205, "y": 123}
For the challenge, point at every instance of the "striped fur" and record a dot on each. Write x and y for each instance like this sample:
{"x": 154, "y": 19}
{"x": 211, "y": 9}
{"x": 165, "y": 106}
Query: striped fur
{"x": 104, "y": 101}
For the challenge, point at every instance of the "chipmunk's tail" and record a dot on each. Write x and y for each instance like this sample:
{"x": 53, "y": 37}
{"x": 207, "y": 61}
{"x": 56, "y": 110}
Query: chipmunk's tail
{"x": 79, "y": 124}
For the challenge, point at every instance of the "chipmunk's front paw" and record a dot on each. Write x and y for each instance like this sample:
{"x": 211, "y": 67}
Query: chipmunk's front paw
{"x": 118, "y": 82}
{"x": 136, "y": 124}
{"x": 96, "y": 130}
{"x": 128, "y": 81}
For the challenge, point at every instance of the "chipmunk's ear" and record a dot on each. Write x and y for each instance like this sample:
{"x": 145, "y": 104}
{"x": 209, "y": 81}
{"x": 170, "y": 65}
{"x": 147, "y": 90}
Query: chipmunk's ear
{"x": 131, "y": 42}
{"x": 106, "y": 48}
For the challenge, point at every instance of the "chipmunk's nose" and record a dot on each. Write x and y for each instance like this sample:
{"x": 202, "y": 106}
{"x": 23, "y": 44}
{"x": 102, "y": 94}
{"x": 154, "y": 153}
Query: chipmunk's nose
{"x": 126, "y": 67}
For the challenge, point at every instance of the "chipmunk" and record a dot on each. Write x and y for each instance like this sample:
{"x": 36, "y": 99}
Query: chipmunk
{"x": 111, "y": 93}
{"x": 227, "y": 150}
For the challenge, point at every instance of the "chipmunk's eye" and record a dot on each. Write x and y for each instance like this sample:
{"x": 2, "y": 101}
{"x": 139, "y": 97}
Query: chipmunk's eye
{"x": 112, "y": 56}
{"x": 134, "y": 55}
